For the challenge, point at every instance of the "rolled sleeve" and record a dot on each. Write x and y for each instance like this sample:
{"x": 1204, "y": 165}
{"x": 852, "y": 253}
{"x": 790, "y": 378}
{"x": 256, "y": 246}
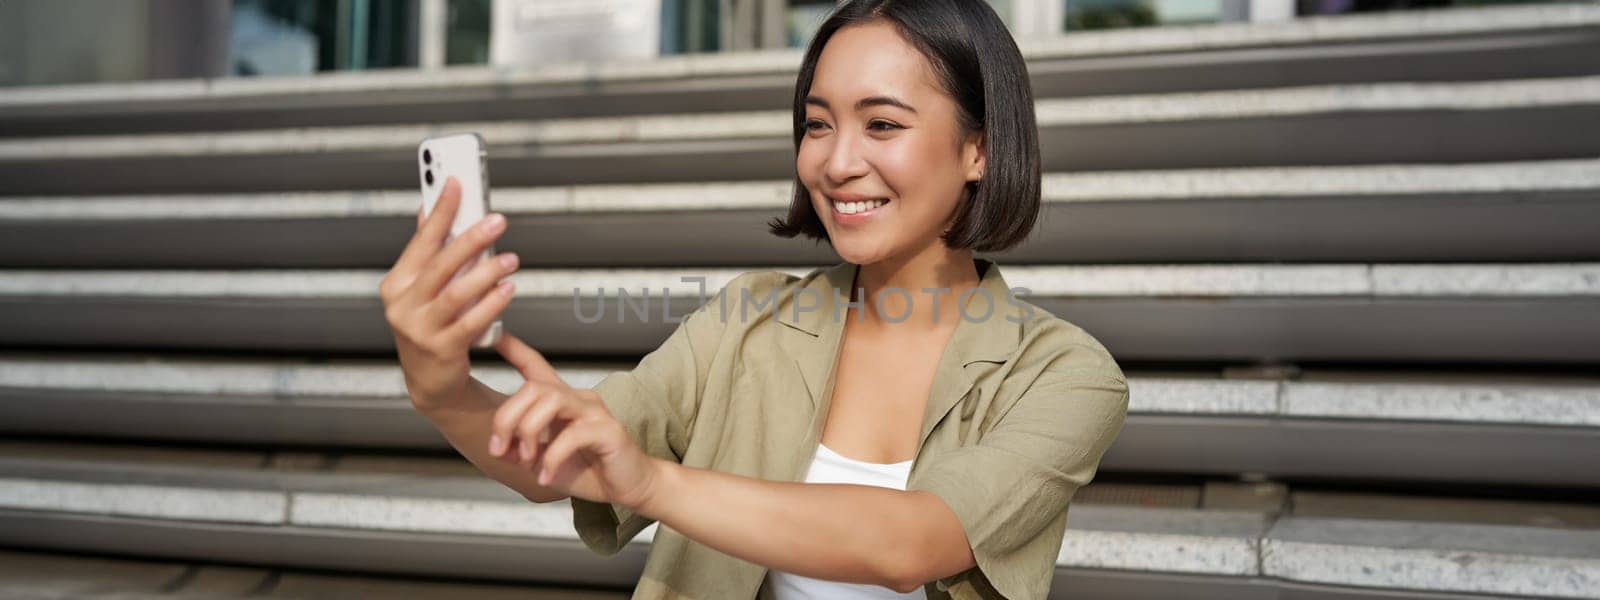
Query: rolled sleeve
{"x": 1012, "y": 488}
{"x": 657, "y": 402}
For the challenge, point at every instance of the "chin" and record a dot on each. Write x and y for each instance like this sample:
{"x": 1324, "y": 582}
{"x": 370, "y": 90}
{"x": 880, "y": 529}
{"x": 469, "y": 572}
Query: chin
{"x": 860, "y": 256}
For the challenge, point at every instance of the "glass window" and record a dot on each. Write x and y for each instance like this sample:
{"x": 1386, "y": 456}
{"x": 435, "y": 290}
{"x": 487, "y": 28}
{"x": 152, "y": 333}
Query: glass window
{"x": 1084, "y": 15}
{"x": 286, "y": 37}
{"x": 803, "y": 20}
{"x": 691, "y": 26}
{"x": 467, "y": 32}
{"x": 1333, "y": 7}
{"x": 806, "y": 16}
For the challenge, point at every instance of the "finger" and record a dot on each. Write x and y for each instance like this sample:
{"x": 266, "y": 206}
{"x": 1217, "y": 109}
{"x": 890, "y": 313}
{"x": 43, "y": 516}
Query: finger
{"x": 469, "y": 245}
{"x": 526, "y": 457}
{"x": 543, "y": 445}
{"x": 526, "y": 453}
{"x": 469, "y": 287}
{"x": 471, "y": 324}
{"x": 502, "y": 429}
{"x": 431, "y": 234}
{"x": 530, "y": 362}
{"x": 573, "y": 438}
{"x": 509, "y": 458}
{"x": 532, "y": 428}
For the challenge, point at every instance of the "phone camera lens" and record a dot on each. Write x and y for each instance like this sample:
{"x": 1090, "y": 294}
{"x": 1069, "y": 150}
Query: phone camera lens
{"x": 427, "y": 157}
{"x": 428, "y": 177}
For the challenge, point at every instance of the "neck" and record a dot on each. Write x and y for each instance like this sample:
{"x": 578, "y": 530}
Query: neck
{"x": 915, "y": 309}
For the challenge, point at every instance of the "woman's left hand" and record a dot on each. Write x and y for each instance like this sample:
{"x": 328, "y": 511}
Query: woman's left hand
{"x": 568, "y": 436}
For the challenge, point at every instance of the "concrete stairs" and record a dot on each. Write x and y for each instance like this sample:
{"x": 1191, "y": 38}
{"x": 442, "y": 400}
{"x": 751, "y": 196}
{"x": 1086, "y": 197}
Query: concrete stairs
{"x": 1349, "y": 264}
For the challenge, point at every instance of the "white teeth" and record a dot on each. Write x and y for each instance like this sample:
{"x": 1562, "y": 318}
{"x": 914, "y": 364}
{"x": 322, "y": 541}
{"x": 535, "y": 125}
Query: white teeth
{"x": 850, "y": 208}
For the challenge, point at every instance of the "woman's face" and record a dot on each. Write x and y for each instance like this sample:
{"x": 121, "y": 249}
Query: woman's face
{"x": 879, "y": 127}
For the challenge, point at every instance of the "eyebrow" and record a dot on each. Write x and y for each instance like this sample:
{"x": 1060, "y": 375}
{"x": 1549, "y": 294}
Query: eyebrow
{"x": 866, "y": 102}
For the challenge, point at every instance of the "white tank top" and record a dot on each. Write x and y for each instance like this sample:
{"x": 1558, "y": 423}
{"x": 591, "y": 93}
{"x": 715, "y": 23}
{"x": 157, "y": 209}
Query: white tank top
{"x": 831, "y": 467}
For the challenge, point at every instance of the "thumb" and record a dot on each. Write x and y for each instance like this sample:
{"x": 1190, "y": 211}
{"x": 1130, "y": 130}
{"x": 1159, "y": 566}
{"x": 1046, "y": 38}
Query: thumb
{"x": 528, "y": 361}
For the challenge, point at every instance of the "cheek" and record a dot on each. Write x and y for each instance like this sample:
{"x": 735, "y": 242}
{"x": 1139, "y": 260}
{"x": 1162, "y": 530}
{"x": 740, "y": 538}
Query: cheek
{"x": 922, "y": 172}
{"x": 808, "y": 166}
{"x": 809, "y": 162}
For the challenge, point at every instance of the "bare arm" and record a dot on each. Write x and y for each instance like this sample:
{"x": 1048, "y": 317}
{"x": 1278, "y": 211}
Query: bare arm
{"x": 854, "y": 533}
{"x": 468, "y": 424}
{"x": 840, "y": 532}
{"x": 433, "y": 324}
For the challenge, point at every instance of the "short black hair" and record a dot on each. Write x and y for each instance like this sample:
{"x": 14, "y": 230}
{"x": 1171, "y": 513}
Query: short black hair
{"x": 979, "y": 65}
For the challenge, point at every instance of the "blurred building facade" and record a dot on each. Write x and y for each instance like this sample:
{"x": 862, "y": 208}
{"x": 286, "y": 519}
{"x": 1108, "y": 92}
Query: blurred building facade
{"x": 74, "y": 41}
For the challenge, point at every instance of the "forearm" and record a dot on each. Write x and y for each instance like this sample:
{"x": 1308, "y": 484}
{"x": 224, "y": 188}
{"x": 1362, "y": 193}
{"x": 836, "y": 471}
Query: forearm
{"x": 839, "y": 532}
{"x": 467, "y": 425}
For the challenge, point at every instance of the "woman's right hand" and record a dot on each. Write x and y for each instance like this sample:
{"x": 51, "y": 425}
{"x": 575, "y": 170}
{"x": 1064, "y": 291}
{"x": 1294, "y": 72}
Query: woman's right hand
{"x": 433, "y": 328}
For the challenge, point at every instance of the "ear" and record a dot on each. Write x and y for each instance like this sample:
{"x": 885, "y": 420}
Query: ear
{"x": 974, "y": 155}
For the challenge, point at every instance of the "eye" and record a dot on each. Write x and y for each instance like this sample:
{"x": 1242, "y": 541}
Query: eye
{"x": 813, "y": 124}
{"x": 886, "y": 125}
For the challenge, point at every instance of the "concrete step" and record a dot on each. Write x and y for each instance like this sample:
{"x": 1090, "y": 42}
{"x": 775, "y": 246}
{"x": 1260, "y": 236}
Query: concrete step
{"x": 1346, "y": 124}
{"x": 42, "y": 575}
{"x": 419, "y": 522}
{"x": 1507, "y": 211}
{"x": 1411, "y": 426}
{"x": 1533, "y": 312}
{"x": 1438, "y": 45}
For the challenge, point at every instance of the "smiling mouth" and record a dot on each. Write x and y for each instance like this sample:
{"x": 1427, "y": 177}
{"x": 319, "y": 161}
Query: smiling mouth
{"x": 856, "y": 208}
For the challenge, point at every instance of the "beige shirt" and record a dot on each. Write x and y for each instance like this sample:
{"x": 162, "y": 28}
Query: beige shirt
{"x": 1023, "y": 406}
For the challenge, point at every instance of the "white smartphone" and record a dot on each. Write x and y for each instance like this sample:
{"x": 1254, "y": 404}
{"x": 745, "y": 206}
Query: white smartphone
{"x": 464, "y": 157}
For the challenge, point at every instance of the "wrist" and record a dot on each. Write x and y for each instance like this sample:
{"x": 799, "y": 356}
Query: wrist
{"x": 473, "y": 396}
{"x": 663, "y": 480}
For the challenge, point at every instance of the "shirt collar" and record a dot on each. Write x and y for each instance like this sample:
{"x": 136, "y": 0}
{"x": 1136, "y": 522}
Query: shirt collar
{"x": 978, "y": 337}
{"x": 982, "y": 336}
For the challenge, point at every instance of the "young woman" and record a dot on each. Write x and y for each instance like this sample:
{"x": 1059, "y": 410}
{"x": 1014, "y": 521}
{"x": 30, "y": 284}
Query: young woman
{"x": 900, "y": 424}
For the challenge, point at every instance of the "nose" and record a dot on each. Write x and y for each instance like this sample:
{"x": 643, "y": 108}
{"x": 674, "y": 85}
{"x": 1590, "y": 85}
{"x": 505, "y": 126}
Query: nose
{"x": 846, "y": 160}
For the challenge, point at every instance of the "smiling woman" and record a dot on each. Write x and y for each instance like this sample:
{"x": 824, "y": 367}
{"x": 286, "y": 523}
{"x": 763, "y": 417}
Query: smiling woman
{"x": 850, "y": 440}
{"x": 916, "y": 145}
{"x": 933, "y": 99}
